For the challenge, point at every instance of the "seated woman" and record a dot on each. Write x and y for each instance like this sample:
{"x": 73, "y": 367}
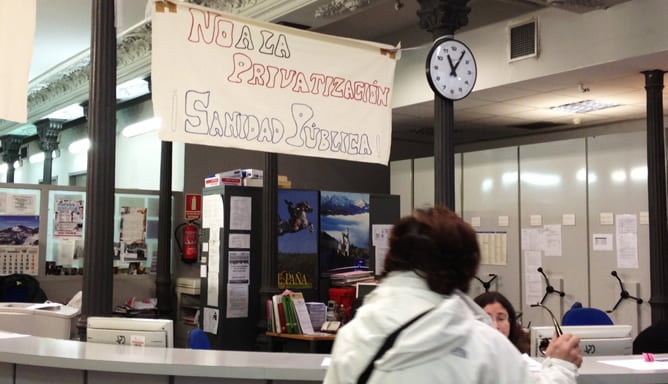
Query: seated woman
{"x": 502, "y": 313}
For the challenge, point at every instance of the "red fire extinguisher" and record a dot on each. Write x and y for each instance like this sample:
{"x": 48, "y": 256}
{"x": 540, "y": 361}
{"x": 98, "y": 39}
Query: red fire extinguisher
{"x": 190, "y": 236}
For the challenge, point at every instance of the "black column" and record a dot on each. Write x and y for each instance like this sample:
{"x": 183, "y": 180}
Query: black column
{"x": 444, "y": 152}
{"x": 443, "y": 18}
{"x": 269, "y": 234}
{"x": 48, "y": 131}
{"x": 270, "y": 223}
{"x": 656, "y": 195}
{"x": 99, "y": 219}
{"x": 163, "y": 282}
{"x": 11, "y": 144}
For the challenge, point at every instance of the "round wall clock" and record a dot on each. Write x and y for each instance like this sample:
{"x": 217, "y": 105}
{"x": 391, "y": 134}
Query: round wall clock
{"x": 451, "y": 69}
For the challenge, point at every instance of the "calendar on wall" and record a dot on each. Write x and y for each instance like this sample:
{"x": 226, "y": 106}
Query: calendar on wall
{"x": 18, "y": 260}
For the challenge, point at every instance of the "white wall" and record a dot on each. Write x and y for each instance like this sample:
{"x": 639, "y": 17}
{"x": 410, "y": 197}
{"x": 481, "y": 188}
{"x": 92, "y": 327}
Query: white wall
{"x": 550, "y": 182}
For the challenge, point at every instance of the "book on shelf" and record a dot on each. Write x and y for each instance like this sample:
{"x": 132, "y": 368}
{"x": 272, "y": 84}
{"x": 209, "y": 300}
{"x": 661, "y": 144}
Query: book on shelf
{"x": 270, "y": 315}
{"x": 281, "y": 318}
{"x": 350, "y": 278}
{"x": 301, "y": 312}
{"x": 276, "y": 299}
{"x": 287, "y": 313}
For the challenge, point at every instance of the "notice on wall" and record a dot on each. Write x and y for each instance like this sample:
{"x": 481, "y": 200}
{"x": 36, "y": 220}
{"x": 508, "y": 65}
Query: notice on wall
{"x": 238, "y": 240}
{"x": 210, "y": 317}
{"x": 240, "y": 213}
{"x": 14, "y": 204}
{"x": 69, "y": 218}
{"x": 381, "y": 242}
{"x": 546, "y": 239}
{"x": 133, "y": 234}
{"x": 237, "y": 300}
{"x": 238, "y": 269}
{"x": 553, "y": 244}
{"x": 602, "y": 242}
{"x": 212, "y": 289}
{"x": 626, "y": 233}
{"x": 533, "y": 287}
{"x": 493, "y": 248}
{"x": 266, "y": 87}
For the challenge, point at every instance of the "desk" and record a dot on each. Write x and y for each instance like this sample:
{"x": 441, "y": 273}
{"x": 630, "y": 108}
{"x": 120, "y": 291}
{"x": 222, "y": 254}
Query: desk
{"x": 594, "y": 371}
{"x": 313, "y": 340}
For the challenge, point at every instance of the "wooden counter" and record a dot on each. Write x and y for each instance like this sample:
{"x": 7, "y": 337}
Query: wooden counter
{"x": 324, "y": 340}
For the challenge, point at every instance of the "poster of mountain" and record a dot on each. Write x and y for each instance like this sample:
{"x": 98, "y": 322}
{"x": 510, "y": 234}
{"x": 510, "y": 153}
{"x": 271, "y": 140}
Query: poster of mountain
{"x": 19, "y": 230}
{"x": 344, "y": 231}
{"x": 297, "y": 263}
{"x": 19, "y": 244}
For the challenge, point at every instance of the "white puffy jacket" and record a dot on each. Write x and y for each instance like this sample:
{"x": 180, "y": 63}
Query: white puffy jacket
{"x": 454, "y": 343}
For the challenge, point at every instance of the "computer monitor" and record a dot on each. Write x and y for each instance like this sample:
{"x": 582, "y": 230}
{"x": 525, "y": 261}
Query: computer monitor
{"x": 363, "y": 289}
{"x": 131, "y": 331}
{"x": 595, "y": 340}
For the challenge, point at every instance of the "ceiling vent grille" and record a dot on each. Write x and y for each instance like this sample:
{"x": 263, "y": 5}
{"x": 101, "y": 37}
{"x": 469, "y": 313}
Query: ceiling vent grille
{"x": 523, "y": 40}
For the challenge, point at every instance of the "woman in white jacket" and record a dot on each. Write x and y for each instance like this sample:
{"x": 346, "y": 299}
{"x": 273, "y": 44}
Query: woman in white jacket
{"x": 432, "y": 258}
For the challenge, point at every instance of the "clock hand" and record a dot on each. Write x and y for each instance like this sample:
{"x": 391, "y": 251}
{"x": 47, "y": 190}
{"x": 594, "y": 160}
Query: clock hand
{"x": 458, "y": 61}
{"x": 452, "y": 67}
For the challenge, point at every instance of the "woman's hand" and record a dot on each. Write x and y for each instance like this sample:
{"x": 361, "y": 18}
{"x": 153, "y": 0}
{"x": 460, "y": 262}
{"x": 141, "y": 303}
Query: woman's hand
{"x": 565, "y": 347}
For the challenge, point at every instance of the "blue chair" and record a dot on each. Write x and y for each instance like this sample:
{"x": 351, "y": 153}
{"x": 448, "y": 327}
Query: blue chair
{"x": 198, "y": 339}
{"x": 579, "y": 315}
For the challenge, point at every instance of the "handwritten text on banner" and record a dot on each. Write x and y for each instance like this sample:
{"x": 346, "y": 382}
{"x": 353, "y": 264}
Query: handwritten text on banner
{"x": 227, "y": 81}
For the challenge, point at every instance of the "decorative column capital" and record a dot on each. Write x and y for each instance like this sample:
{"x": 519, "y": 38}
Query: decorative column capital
{"x": 443, "y": 17}
{"x": 48, "y": 131}
{"x": 11, "y": 144}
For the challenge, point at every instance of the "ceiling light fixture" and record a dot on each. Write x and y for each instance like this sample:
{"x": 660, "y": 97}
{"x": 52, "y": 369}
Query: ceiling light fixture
{"x": 141, "y": 127}
{"x": 585, "y": 106}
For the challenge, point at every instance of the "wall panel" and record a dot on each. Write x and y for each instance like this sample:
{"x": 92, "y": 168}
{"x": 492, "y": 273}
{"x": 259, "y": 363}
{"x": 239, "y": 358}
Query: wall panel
{"x": 490, "y": 198}
{"x": 550, "y": 187}
{"x": 618, "y": 185}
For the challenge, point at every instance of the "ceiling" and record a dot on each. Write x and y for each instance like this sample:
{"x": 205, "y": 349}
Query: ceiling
{"x": 503, "y": 112}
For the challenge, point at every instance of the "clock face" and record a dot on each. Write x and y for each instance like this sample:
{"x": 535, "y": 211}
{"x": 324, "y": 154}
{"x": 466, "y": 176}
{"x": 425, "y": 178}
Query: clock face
{"x": 451, "y": 69}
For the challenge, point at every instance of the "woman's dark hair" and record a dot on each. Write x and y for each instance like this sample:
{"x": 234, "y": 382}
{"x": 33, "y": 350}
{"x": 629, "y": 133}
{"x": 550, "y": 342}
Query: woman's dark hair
{"x": 438, "y": 245}
{"x": 495, "y": 297}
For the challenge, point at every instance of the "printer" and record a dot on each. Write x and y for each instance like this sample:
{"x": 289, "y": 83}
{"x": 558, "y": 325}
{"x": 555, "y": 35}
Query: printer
{"x": 39, "y": 319}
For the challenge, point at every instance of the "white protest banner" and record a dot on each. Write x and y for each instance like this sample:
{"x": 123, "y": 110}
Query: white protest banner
{"x": 222, "y": 80}
{"x": 17, "y": 34}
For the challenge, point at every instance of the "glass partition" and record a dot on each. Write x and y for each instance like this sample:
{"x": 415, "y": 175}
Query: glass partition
{"x": 135, "y": 232}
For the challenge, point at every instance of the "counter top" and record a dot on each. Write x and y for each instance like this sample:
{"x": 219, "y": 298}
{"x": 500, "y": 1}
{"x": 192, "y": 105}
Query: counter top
{"x": 69, "y": 354}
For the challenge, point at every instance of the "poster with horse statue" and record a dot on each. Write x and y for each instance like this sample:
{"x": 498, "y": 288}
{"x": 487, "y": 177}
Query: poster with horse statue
{"x": 298, "y": 228}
